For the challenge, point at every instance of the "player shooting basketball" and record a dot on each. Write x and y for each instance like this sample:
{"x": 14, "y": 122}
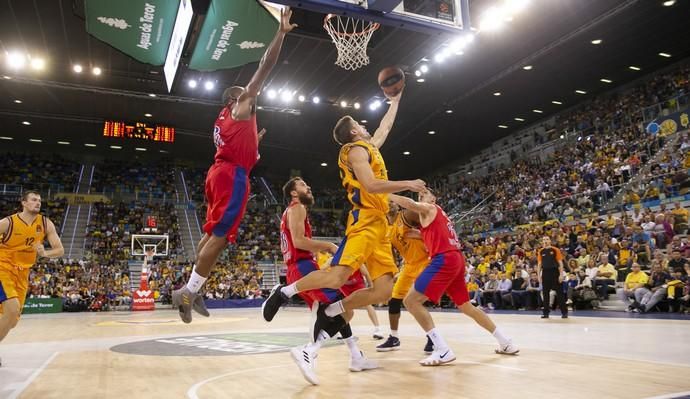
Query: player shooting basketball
{"x": 365, "y": 178}
{"x": 227, "y": 183}
{"x": 21, "y": 242}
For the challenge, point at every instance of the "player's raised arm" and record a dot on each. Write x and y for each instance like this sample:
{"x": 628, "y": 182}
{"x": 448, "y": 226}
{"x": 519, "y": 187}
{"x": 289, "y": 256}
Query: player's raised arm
{"x": 381, "y": 134}
{"x": 247, "y": 99}
{"x": 410, "y": 204}
{"x": 56, "y": 249}
{"x": 296, "y": 216}
{"x": 4, "y": 227}
{"x": 359, "y": 162}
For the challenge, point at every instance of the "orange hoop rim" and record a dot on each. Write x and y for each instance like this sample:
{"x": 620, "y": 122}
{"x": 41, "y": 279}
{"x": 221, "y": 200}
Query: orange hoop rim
{"x": 374, "y": 26}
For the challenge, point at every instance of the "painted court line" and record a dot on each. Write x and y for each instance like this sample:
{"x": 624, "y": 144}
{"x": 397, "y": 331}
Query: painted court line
{"x": 192, "y": 393}
{"x": 32, "y": 377}
{"x": 672, "y": 395}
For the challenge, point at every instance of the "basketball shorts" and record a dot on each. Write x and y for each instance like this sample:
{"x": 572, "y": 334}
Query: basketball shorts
{"x": 301, "y": 268}
{"x": 227, "y": 193}
{"x": 355, "y": 283}
{"x": 366, "y": 242}
{"x": 406, "y": 278}
{"x": 445, "y": 273}
{"x": 14, "y": 283}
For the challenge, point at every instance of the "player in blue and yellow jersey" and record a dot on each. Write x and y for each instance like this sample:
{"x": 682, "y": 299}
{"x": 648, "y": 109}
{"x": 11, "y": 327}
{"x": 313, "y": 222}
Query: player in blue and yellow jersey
{"x": 365, "y": 179}
{"x": 407, "y": 240}
{"x": 21, "y": 242}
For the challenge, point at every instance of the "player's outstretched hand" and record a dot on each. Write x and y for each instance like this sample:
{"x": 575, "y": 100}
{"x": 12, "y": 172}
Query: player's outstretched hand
{"x": 40, "y": 250}
{"x": 261, "y": 134}
{"x": 416, "y": 186}
{"x": 285, "y": 25}
{"x": 396, "y": 98}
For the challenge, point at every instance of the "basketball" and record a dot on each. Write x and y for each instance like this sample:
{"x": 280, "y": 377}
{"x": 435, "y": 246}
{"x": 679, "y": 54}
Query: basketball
{"x": 391, "y": 81}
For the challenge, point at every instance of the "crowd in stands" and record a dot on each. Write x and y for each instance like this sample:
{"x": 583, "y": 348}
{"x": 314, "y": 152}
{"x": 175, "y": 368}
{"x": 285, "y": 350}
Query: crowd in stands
{"x": 39, "y": 172}
{"x": 610, "y": 147}
{"x": 150, "y": 180}
{"x": 643, "y": 252}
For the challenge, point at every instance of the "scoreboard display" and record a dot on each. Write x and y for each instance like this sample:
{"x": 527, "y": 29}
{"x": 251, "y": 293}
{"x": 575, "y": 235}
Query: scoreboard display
{"x": 139, "y": 130}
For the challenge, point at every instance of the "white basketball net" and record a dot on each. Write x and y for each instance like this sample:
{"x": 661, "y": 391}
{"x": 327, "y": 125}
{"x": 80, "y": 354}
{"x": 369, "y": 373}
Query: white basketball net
{"x": 351, "y": 37}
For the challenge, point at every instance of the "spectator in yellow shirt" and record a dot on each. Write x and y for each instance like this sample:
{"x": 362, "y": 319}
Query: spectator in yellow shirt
{"x": 680, "y": 215}
{"x": 633, "y": 282}
{"x": 606, "y": 276}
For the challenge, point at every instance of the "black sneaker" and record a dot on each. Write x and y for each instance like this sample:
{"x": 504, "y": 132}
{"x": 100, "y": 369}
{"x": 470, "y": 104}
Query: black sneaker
{"x": 564, "y": 316}
{"x": 331, "y": 325}
{"x": 272, "y": 304}
{"x": 544, "y": 316}
{"x": 429, "y": 347}
{"x": 391, "y": 344}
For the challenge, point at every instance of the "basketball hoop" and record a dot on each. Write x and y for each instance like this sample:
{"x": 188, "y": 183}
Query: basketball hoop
{"x": 351, "y": 37}
{"x": 149, "y": 255}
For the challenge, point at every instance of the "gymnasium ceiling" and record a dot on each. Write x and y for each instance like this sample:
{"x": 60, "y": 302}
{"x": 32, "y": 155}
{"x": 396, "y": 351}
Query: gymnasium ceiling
{"x": 554, "y": 37}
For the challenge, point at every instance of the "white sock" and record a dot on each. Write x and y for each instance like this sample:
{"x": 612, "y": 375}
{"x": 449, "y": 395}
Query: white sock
{"x": 502, "y": 339}
{"x": 314, "y": 347}
{"x": 289, "y": 290}
{"x": 439, "y": 343}
{"x": 196, "y": 281}
{"x": 394, "y": 333}
{"x": 377, "y": 329}
{"x": 335, "y": 309}
{"x": 352, "y": 346}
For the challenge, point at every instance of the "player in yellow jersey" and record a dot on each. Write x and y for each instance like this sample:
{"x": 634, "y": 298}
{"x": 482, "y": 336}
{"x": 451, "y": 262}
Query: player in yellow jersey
{"x": 21, "y": 242}
{"x": 365, "y": 179}
{"x": 407, "y": 240}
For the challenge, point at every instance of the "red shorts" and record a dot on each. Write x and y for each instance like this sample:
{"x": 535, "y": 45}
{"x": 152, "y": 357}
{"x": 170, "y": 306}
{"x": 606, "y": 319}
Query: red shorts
{"x": 355, "y": 283}
{"x": 227, "y": 192}
{"x": 445, "y": 273}
{"x": 301, "y": 268}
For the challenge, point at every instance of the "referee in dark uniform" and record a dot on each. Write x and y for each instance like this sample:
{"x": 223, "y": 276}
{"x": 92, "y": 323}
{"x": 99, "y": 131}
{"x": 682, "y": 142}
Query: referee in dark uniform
{"x": 549, "y": 269}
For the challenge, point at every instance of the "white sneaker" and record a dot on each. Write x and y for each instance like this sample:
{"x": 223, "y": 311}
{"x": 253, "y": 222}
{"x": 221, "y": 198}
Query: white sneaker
{"x": 306, "y": 362}
{"x": 491, "y": 306}
{"x": 438, "y": 358}
{"x": 362, "y": 363}
{"x": 509, "y": 349}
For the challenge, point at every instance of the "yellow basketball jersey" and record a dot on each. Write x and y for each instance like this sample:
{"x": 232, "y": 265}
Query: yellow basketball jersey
{"x": 413, "y": 251}
{"x": 358, "y": 197}
{"x": 16, "y": 247}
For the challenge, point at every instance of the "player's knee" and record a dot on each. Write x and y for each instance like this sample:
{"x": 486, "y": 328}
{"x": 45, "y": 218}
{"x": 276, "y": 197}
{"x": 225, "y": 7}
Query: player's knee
{"x": 381, "y": 296}
{"x": 413, "y": 299}
{"x": 337, "y": 277}
{"x": 394, "y": 306}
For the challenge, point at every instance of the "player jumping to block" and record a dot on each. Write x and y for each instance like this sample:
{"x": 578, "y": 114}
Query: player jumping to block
{"x": 227, "y": 183}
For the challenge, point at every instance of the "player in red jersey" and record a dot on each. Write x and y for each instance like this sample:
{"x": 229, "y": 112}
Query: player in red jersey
{"x": 445, "y": 273}
{"x": 227, "y": 182}
{"x": 298, "y": 249}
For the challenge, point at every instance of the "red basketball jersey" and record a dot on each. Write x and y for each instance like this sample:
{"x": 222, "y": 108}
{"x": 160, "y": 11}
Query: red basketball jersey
{"x": 291, "y": 254}
{"x": 237, "y": 142}
{"x": 439, "y": 236}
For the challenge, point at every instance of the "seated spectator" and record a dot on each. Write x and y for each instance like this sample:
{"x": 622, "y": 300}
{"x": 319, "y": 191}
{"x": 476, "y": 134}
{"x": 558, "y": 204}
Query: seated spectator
{"x": 655, "y": 290}
{"x": 489, "y": 292}
{"x": 605, "y": 277}
{"x": 517, "y": 291}
{"x": 582, "y": 292}
{"x": 532, "y": 297}
{"x": 635, "y": 282}
{"x": 680, "y": 221}
{"x": 503, "y": 292}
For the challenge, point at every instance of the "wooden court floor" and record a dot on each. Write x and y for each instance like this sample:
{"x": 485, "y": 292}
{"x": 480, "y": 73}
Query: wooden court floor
{"x": 234, "y": 354}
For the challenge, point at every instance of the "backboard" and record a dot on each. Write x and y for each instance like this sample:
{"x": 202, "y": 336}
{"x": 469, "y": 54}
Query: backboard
{"x": 156, "y": 242}
{"x": 427, "y": 16}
